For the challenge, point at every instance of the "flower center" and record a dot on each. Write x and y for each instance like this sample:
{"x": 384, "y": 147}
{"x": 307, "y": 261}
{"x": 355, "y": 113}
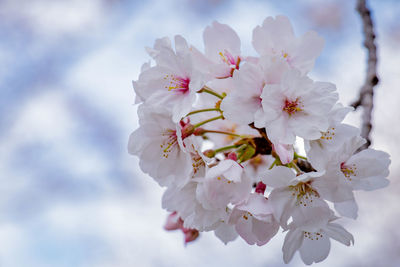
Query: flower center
{"x": 227, "y": 57}
{"x": 348, "y": 171}
{"x": 304, "y": 193}
{"x": 247, "y": 215}
{"x": 329, "y": 134}
{"x": 292, "y": 107}
{"x": 197, "y": 161}
{"x": 230, "y": 60}
{"x": 223, "y": 179}
{"x": 169, "y": 141}
{"x": 177, "y": 84}
{"x": 313, "y": 235}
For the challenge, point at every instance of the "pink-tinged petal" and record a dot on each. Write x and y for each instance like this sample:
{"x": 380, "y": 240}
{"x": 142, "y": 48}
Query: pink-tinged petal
{"x": 332, "y": 188}
{"x": 348, "y": 208}
{"x": 282, "y": 202}
{"x": 368, "y": 169}
{"x": 257, "y": 205}
{"x": 338, "y": 113}
{"x": 279, "y": 131}
{"x": 181, "y": 46}
{"x": 226, "y": 233}
{"x": 330, "y": 140}
{"x": 285, "y": 152}
{"x": 220, "y": 37}
{"x": 273, "y": 35}
{"x": 308, "y": 48}
{"x": 159, "y": 44}
{"x": 293, "y": 241}
{"x": 338, "y": 233}
{"x": 273, "y": 69}
{"x": 244, "y": 228}
{"x": 239, "y": 107}
{"x": 278, "y": 176}
{"x": 228, "y": 168}
{"x": 264, "y": 231}
{"x": 311, "y": 219}
{"x": 315, "y": 250}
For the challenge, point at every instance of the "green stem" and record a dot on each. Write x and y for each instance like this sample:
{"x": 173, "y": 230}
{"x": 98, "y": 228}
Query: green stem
{"x": 207, "y": 121}
{"x": 274, "y": 163}
{"x": 203, "y": 110}
{"x": 222, "y": 132}
{"x": 299, "y": 156}
{"x": 210, "y": 91}
{"x": 225, "y": 148}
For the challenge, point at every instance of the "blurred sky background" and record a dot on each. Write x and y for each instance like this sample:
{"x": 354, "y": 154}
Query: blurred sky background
{"x": 71, "y": 195}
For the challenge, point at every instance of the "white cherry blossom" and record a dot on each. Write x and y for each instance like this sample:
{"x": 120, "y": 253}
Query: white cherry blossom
{"x": 222, "y": 51}
{"x": 195, "y": 216}
{"x": 243, "y": 103}
{"x": 218, "y": 129}
{"x": 254, "y": 220}
{"x": 276, "y": 38}
{"x": 224, "y": 183}
{"x": 156, "y": 143}
{"x": 296, "y": 107}
{"x": 173, "y": 82}
{"x": 311, "y": 236}
{"x": 291, "y": 192}
{"x": 332, "y": 139}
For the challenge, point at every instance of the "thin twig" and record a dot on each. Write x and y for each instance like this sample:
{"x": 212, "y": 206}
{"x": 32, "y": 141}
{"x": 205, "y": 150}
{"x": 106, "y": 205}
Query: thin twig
{"x": 366, "y": 95}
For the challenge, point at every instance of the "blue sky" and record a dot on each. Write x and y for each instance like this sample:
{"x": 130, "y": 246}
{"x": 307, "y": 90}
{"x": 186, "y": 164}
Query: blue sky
{"x": 70, "y": 195}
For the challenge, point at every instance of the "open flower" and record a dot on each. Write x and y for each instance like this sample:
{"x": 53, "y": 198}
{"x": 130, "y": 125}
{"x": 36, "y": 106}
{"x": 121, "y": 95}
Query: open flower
{"x": 296, "y": 106}
{"x": 243, "y": 104}
{"x": 254, "y": 220}
{"x": 157, "y": 144}
{"x": 222, "y": 51}
{"x": 174, "y": 81}
{"x": 224, "y": 183}
{"x": 276, "y": 38}
{"x": 311, "y": 236}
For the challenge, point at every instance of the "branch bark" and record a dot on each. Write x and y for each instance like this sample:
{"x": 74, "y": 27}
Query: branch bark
{"x": 366, "y": 95}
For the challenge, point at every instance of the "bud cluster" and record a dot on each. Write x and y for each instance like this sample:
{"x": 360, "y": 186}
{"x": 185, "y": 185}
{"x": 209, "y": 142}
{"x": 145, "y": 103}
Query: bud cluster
{"x": 219, "y": 129}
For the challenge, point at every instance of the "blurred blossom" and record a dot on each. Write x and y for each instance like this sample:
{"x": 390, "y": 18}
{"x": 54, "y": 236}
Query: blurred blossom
{"x": 330, "y": 15}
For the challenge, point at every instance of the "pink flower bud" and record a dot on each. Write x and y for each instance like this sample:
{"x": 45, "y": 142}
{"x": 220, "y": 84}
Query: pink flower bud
{"x": 190, "y": 234}
{"x": 285, "y": 152}
{"x": 173, "y": 222}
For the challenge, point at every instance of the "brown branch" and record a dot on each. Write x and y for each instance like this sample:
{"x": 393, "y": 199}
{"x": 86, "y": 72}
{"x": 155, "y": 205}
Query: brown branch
{"x": 366, "y": 95}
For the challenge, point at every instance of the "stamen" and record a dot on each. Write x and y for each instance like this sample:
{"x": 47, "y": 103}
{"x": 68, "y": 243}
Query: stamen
{"x": 348, "y": 171}
{"x": 227, "y": 57}
{"x": 312, "y": 235}
{"x": 177, "y": 84}
{"x": 329, "y": 134}
{"x": 169, "y": 142}
{"x": 304, "y": 193}
{"x": 292, "y": 107}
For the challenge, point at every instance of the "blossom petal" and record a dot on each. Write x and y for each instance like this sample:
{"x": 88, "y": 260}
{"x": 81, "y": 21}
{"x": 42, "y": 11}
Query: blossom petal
{"x": 315, "y": 250}
{"x": 337, "y": 232}
{"x": 293, "y": 241}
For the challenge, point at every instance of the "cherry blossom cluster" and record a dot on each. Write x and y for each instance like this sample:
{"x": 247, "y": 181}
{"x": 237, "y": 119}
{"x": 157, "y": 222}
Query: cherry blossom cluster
{"x": 220, "y": 130}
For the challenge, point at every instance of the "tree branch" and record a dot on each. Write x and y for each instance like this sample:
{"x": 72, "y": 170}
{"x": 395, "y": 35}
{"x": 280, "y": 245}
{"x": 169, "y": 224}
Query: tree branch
{"x": 366, "y": 95}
